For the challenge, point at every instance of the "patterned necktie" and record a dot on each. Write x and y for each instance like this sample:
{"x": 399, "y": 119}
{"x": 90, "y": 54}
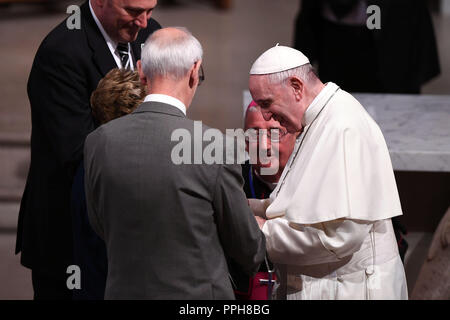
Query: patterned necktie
{"x": 122, "y": 48}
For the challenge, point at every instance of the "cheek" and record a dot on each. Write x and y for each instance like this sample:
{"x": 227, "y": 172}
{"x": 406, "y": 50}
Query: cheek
{"x": 282, "y": 151}
{"x": 125, "y": 23}
{"x": 282, "y": 108}
{"x": 289, "y": 111}
{"x": 124, "y": 20}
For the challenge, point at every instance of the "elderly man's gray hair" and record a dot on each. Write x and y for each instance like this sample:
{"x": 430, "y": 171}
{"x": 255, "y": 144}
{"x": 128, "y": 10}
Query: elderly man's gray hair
{"x": 170, "y": 56}
{"x": 305, "y": 73}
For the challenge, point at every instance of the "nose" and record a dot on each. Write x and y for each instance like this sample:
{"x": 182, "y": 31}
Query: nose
{"x": 142, "y": 19}
{"x": 267, "y": 115}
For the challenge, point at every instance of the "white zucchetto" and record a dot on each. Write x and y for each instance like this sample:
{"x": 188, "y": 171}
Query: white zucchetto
{"x": 277, "y": 59}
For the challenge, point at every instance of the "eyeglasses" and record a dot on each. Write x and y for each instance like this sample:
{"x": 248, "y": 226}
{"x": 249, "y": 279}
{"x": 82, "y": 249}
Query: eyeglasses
{"x": 274, "y": 134}
{"x": 201, "y": 75}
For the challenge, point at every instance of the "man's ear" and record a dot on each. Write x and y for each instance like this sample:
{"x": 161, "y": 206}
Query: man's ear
{"x": 193, "y": 74}
{"x": 297, "y": 86}
{"x": 142, "y": 76}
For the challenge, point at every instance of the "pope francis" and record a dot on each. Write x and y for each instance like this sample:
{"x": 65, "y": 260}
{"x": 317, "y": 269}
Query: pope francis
{"x": 328, "y": 222}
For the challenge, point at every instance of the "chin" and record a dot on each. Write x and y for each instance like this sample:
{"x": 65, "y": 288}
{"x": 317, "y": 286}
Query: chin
{"x": 272, "y": 166}
{"x": 129, "y": 37}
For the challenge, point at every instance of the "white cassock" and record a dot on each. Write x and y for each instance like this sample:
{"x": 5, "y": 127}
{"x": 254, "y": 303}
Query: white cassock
{"x": 329, "y": 231}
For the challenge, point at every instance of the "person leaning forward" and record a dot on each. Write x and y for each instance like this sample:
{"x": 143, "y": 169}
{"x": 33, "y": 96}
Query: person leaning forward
{"x": 328, "y": 221}
{"x": 66, "y": 70}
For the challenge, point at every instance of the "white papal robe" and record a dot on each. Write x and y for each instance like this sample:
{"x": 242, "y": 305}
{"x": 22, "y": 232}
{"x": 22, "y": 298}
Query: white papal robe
{"x": 329, "y": 231}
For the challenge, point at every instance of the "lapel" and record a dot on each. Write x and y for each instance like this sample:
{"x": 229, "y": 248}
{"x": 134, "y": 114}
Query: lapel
{"x": 101, "y": 55}
{"x": 159, "y": 107}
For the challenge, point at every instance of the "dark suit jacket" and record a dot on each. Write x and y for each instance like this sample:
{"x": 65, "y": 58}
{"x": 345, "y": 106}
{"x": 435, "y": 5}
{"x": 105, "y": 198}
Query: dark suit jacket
{"x": 89, "y": 251}
{"x": 167, "y": 227}
{"x": 67, "y": 68}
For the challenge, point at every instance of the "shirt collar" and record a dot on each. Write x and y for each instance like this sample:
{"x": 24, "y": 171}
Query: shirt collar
{"x": 110, "y": 42}
{"x": 163, "y": 98}
{"x": 318, "y": 102}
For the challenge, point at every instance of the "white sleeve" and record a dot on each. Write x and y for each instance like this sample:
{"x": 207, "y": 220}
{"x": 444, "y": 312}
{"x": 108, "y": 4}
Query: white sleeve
{"x": 294, "y": 244}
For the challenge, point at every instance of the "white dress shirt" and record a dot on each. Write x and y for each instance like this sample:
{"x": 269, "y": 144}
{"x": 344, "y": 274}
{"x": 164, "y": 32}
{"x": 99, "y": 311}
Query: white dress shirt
{"x": 166, "y": 99}
{"x": 112, "y": 45}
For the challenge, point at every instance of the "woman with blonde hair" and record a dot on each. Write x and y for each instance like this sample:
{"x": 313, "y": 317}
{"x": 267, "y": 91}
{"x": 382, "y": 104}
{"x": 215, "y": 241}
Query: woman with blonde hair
{"x": 117, "y": 94}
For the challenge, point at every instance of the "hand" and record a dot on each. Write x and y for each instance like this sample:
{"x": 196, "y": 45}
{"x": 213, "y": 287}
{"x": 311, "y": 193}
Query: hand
{"x": 260, "y": 221}
{"x": 259, "y": 207}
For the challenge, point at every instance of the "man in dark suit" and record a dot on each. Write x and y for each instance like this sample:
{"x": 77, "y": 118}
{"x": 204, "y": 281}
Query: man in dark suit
{"x": 67, "y": 67}
{"x": 167, "y": 225}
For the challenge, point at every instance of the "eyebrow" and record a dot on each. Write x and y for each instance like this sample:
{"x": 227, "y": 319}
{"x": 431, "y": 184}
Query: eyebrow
{"x": 137, "y": 8}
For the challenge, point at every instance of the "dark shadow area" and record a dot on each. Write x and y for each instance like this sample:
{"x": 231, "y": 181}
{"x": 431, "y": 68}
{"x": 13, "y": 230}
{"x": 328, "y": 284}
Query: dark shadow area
{"x": 424, "y": 197}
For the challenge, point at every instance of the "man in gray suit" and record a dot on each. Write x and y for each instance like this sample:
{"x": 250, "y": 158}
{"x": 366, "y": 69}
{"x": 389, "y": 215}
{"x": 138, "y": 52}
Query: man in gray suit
{"x": 167, "y": 227}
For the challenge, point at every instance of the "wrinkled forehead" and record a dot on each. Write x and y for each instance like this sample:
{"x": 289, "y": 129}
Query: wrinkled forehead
{"x": 261, "y": 89}
{"x": 257, "y": 82}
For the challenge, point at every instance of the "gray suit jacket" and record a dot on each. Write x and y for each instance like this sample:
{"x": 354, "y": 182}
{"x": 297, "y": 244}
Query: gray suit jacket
{"x": 167, "y": 227}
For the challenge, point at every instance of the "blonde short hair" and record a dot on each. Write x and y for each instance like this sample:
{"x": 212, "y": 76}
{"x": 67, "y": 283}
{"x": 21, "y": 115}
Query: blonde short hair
{"x": 117, "y": 94}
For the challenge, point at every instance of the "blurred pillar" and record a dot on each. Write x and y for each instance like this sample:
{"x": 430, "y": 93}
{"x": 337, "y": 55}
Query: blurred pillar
{"x": 445, "y": 7}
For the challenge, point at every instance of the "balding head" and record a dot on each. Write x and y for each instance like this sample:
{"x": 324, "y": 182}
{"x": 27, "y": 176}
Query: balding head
{"x": 170, "y": 52}
{"x": 171, "y": 63}
{"x": 252, "y": 115}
